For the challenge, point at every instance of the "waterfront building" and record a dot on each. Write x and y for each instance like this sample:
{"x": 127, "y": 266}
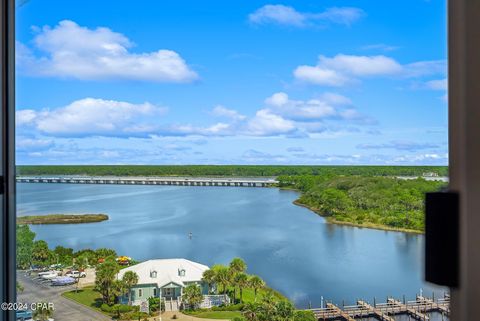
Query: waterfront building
{"x": 164, "y": 278}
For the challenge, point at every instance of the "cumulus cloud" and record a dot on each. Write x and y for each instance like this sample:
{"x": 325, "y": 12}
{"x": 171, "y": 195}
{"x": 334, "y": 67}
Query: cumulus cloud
{"x": 90, "y": 116}
{"x": 266, "y": 123}
{"x": 344, "y": 69}
{"x": 221, "y": 111}
{"x": 312, "y": 109}
{"x": 72, "y": 51}
{"x": 289, "y": 16}
{"x": 279, "y": 116}
{"x": 319, "y": 75}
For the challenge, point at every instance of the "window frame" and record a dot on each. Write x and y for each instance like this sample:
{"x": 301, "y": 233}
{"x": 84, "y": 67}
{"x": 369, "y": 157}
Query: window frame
{"x": 7, "y": 151}
{"x": 464, "y": 150}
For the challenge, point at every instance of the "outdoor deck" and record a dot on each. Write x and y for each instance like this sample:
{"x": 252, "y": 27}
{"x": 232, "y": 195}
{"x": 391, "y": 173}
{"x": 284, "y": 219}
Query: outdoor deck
{"x": 417, "y": 309}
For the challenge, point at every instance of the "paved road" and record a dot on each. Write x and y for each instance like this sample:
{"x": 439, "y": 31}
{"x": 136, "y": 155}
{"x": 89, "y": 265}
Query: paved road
{"x": 65, "y": 310}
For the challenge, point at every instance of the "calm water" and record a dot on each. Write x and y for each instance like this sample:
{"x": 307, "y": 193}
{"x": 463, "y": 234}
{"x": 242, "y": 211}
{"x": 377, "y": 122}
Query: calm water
{"x": 290, "y": 247}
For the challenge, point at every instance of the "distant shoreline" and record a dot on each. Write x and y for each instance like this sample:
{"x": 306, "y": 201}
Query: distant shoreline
{"x": 62, "y": 219}
{"x": 332, "y": 220}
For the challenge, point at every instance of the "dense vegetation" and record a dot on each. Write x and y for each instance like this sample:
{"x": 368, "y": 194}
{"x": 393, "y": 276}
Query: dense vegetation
{"x": 229, "y": 170}
{"x": 381, "y": 202}
{"x": 62, "y": 219}
{"x": 37, "y": 252}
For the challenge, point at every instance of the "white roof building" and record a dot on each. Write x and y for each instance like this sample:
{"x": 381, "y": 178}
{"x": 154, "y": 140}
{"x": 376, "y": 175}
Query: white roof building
{"x": 165, "y": 278}
{"x": 165, "y": 271}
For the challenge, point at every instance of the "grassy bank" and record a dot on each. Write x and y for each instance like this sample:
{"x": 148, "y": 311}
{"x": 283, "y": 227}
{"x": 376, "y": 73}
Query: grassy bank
{"x": 87, "y": 297}
{"x": 62, "y": 219}
{"x": 371, "y": 202}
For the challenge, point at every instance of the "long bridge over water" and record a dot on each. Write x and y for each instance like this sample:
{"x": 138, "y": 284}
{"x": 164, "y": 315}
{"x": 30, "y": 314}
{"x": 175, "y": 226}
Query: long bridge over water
{"x": 177, "y": 181}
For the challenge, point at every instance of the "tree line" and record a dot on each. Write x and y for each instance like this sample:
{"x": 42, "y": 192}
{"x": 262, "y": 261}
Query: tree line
{"x": 228, "y": 170}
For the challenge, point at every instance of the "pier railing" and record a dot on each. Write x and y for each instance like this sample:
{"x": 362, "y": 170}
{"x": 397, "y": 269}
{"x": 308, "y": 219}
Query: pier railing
{"x": 417, "y": 309}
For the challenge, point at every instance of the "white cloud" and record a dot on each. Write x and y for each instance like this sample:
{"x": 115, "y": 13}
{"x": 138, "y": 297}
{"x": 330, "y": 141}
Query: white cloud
{"x": 425, "y": 68}
{"x": 288, "y": 16}
{"x": 73, "y": 51}
{"x": 437, "y": 84}
{"x": 221, "y": 111}
{"x": 265, "y": 123}
{"x": 280, "y": 116}
{"x": 320, "y": 76}
{"x": 361, "y": 65}
{"x": 91, "y": 116}
{"x": 336, "y": 99}
{"x": 277, "y": 99}
{"x": 343, "y": 69}
{"x": 32, "y": 144}
{"x": 312, "y": 109}
{"x": 25, "y": 116}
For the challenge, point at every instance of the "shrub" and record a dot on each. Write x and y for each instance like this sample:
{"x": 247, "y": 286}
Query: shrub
{"x": 106, "y": 308}
{"x": 304, "y": 316}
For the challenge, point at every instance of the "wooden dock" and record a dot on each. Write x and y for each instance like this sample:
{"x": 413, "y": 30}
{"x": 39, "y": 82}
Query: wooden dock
{"x": 417, "y": 309}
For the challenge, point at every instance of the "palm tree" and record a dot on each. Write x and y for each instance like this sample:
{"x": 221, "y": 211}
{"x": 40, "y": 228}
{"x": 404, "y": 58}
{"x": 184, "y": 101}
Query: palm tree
{"x": 256, "y": 283}
{"x": 130, "y": 279}
{"x": 251, "y": 311}
{"x": 192, "y": 295}
{"x": 119, "y": 287}
{"x": 80, "y": 267}
{"x": 238, "y": 265}
{"x": 209, "y": 277}
{"x": 222, "y": 276}
{"x": 284, "y": 310}
{"x": 104, "y": 279}
{"x": 43, "y": 312}
{"x": 40, "y": 252}
{"x": 241, "y": 280}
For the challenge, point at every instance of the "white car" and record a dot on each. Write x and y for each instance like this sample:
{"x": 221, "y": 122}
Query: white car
{"x": 76, "y": 274}
{"x": 50, "y": 275}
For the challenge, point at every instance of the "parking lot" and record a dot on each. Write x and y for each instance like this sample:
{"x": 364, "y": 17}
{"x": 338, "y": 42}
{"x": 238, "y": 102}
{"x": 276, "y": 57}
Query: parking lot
{"x": 36, "y": 290}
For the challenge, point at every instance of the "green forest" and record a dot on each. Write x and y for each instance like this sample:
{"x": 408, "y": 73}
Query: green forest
{"x": 228, "y": 170}
{"x": 378, "y": 202}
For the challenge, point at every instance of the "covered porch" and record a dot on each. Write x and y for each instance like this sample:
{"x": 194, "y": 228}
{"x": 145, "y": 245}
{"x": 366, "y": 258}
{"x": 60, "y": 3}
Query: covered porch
{"x": 171, "y": 290}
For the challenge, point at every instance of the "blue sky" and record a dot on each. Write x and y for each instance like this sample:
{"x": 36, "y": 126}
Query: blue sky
{"x": 237, "y": 82}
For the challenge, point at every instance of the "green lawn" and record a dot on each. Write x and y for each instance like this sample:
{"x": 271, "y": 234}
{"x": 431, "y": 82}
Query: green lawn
{"x": 229, "y": 315}
{"x": 86, "y": 296}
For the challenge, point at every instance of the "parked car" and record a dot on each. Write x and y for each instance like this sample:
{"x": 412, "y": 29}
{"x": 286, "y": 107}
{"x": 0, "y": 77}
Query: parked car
{"x": 23, "y": 315}
{"x": 49, "y": 275}
{"x": 76, "y": 274}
